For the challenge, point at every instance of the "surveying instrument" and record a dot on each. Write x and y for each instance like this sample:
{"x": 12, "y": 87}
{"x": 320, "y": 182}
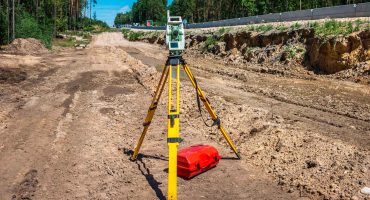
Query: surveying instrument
{"x": 175, "y": 40}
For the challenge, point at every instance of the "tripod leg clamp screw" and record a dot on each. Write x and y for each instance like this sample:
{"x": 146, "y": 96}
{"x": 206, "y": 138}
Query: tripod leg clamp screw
{"x": 174, "y": 140}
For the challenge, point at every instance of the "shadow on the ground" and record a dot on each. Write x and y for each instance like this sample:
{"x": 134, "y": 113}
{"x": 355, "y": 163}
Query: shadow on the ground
{"x": 145, "y": 171}
{"x": 140, "y": 156}
{"x": 154, "y": 184}
{"x": 229, "y": 158}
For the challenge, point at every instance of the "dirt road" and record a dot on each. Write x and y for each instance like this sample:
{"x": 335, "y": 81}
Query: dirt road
{"x": 69, "y": 118}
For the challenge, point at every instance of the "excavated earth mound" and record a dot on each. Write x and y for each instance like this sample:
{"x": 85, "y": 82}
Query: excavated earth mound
{"x": 28, "y": 46}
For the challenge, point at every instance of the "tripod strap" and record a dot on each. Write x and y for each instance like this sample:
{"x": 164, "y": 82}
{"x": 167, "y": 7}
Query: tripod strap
{"x": 198, "y": 103}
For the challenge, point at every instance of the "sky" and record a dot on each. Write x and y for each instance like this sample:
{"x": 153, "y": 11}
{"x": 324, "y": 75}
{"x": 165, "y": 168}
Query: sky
{"x": 106, "y": 10}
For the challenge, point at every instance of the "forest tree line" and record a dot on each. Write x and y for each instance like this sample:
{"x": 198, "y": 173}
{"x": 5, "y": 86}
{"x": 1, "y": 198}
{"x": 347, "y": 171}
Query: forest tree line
{"x": 41, "y": 19}
{"x": 195, "y": 11}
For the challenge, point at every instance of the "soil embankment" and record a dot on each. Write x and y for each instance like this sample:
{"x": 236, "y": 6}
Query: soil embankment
{"x": 297, "y": 52}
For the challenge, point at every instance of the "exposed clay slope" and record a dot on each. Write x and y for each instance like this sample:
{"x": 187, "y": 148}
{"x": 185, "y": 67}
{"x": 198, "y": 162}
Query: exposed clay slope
{"x": 337, "y": 54}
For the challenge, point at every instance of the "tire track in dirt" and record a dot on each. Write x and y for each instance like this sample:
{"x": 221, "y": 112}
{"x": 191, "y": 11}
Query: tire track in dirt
{"x": 240, "y": 74}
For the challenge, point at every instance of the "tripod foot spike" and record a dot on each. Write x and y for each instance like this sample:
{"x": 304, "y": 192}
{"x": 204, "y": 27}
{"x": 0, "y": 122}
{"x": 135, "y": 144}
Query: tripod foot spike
{"x": 239, "y": 156}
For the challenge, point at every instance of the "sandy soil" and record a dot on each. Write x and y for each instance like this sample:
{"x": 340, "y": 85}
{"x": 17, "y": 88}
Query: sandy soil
{"x": 69, "y": 119}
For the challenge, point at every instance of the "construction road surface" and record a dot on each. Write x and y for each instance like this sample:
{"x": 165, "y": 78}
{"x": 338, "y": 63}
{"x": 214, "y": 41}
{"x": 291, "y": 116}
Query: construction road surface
{"x": 67, "y": 130}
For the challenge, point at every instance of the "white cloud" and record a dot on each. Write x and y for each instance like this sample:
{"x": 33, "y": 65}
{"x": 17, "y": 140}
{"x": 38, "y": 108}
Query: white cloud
{"x": 125, "y": 9}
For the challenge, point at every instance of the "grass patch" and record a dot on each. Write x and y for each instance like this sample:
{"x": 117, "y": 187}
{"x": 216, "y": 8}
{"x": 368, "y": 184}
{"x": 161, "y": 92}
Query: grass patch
{"x": 335, "y": 28}
{"x": 296, "y": 26}
{"x": 72, "y": 38}
{"x": 223, "y": 30}
{"x": 330, "y": 27}
{"x": 293, "y": 51}
{"x": 210, "y": 42}
{"x": 135, "y": 35}
{"x": 260, "y": 28}
{"x": 68, "y": 42}
{"x": 264, "y": 28}
{"x": 281, "y": 28}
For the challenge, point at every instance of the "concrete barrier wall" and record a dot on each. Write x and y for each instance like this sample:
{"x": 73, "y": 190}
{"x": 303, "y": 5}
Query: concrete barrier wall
{"x": 352, "y": 10}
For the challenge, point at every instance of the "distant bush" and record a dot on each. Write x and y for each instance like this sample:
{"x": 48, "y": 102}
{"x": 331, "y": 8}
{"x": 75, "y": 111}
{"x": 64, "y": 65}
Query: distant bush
{"x": 27, "y": 27}
{"x": 125, "y": 31}
{"x": 61, "y": 24}
{"x": 210, "y": 42}
{"x": 95, "y": 26}
{"x": 135, "y": 35}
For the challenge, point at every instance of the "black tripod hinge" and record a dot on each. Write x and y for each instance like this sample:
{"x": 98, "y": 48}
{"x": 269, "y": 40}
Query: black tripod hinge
{"x": 217, "y": 122}
{"x": 174, "y": 140}
{"x": 172, "y": 118}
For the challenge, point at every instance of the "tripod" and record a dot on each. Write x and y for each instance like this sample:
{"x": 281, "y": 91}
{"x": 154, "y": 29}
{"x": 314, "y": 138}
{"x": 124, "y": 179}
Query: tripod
{"x": 173, "y": 65}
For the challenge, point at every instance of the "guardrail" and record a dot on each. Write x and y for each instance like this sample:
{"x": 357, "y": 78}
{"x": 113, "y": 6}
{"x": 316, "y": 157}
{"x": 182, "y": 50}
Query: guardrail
{"x": 344, "y": 11}
{"x": 149, "y": 27}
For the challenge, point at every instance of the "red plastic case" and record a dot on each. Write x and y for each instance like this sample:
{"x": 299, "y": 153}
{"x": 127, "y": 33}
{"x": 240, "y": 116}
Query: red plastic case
{"x": 196, "y": 159}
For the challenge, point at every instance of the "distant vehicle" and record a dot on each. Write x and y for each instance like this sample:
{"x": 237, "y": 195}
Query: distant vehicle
{"x": 149, "y": 23}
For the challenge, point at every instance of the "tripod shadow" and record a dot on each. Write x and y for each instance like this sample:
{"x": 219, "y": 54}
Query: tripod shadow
{"x": 140, "y": 156}
{"x": 145, "y": 171}
{"x": 229, "y": 158}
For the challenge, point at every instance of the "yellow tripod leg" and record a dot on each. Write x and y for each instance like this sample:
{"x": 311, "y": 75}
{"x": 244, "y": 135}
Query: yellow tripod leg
{"x": 210, "y": 109}
{"x": 151, "y": 111}
{"x": 173, "y": 138}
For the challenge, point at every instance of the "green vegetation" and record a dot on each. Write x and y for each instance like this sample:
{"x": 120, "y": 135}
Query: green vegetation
{"x": 28, "y": 27}
{"x": 211, "y": 10}
{"x": 68, "y": 42}
{"x": 294, "y": 51}
{"x": 296, "y": 26}
{"x": 281, "y": 28}
{"x": 96, "y": 26}
{"x": 291, "y": 51}
{"x": 210, "y": 42}
{"x": 195, "y": 11}
{"x": 143, "y": 10}
{"x": 223, "y": 30}
{"x": 331, "y": 27}
{"x": 72, "y": 38}
{"x": 334, "y": 27}
{"x": 122, "y": 19}
{"x": 264, "y": 28}
{"x": 137, "y": 35}
{"x": 43, "y": 19}
{"x": 260, "y": 28}
{"x": 312, "y": 25}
